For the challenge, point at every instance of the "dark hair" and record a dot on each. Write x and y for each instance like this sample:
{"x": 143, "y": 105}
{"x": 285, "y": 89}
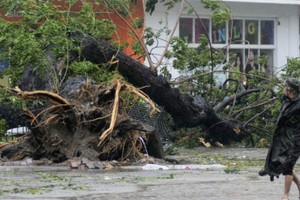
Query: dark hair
{"x": 293, "y": 85}
{"x": 239, "y": 55}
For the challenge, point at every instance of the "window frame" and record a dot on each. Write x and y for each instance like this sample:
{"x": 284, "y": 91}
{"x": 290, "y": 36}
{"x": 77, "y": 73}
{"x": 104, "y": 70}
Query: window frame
{"x": 244, "y": 45}
{"x": 267, "y": 46}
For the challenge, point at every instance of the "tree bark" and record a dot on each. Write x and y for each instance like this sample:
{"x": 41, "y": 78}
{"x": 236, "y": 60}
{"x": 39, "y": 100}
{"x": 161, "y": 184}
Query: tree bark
{"x": 186, "y": 110}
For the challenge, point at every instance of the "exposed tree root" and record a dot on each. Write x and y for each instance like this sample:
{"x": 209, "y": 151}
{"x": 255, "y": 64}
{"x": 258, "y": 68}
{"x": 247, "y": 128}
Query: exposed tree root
{"x": 114, "y": 113}
{"x": 129, "y": 89}
{"x": 70, "y": 128}
{"x": 15, "y": 140}
{"x": 39, "y": 94}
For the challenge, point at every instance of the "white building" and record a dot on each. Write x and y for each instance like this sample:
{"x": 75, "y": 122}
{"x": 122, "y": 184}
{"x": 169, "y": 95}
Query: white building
{"x": 268, "y": 27}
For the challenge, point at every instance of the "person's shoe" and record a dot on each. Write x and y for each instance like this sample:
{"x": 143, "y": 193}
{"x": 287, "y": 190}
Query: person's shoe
{"x": 262, "y": 172}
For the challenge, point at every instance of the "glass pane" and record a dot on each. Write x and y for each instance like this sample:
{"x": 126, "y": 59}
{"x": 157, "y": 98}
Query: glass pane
{"x": 251, "y": 30}
{"x": 219, "y": 34}
{"x": 186, "y": 29}
{"x": 236, "y": 31}
{"x": 267, "y": 32}
{"x": 201, "y": 28}
{"x": 251, "y": 61}
{"x": 237, "y": 59}
{"x": 266, "y": 61}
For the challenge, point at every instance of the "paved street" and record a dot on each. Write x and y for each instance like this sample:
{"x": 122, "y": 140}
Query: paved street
{"x": 183, "y": 182}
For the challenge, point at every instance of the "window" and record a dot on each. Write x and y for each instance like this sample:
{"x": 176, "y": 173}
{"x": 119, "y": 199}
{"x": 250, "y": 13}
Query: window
{"x": 257, "y": 53}
{"x": 241, "y": 34}
{"x": 186, "y": 29}
{"x": 219, "y": 34}
{"x": 201, "y": 28}
{"x": 267, "y": 32}
{"x": 251, "y": 31}
{"x": 236, "y": 30}
{"x": 190, "y": 29}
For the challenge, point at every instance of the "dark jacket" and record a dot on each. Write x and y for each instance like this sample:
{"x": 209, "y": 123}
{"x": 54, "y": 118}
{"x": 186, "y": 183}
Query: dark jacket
{"x": 285, "y": 148}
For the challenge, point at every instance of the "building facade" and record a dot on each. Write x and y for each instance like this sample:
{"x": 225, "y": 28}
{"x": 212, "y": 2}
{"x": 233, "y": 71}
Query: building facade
{"x": 266, "y": 27}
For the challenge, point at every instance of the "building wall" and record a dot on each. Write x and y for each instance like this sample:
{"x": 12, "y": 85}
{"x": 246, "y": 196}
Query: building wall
{"x": 123, "y": 32}
{"x": 286, "y": 26}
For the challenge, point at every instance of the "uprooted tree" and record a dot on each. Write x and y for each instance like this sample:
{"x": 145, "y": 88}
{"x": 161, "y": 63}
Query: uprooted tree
{"x": 77, "y": 103}
{"x": 88, "y": 124}
{"x": 84, "y": 120}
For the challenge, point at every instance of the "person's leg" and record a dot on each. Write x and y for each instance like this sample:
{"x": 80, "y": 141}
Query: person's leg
{"x": 288, "y": 179}
{"x": 297, "y": 181}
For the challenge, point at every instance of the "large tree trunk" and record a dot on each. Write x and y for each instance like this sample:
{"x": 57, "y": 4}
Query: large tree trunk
{"x": 186, "y": 110}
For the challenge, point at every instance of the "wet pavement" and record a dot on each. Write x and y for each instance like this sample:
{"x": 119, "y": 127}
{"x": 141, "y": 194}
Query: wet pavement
{"x": 201, "y": 174}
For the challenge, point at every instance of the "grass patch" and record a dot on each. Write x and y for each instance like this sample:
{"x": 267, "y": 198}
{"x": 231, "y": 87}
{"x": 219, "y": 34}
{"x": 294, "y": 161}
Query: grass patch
{"x": 131, "y": 180}
{"x": 50, "y": 177}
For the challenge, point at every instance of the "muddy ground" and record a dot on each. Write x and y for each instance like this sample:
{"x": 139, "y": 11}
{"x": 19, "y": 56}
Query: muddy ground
{"x": 201, "y": 173}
